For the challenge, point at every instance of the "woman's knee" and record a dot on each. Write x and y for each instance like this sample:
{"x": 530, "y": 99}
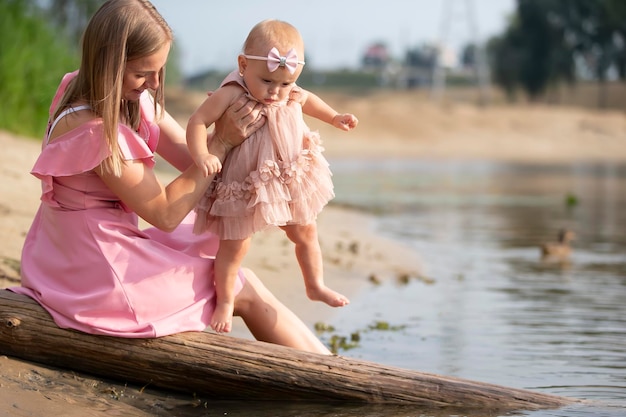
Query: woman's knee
{"x": 250, "y": 293}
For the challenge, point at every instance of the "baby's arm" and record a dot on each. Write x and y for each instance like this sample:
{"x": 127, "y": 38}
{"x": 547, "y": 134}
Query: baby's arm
{"x": 316, "y": 107}
{"x": 205, "y": 115}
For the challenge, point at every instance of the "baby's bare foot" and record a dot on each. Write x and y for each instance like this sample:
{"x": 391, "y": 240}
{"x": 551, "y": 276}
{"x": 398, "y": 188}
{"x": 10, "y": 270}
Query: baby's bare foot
{"x": 328, "y": 296}
{"x": 222, "y": 319}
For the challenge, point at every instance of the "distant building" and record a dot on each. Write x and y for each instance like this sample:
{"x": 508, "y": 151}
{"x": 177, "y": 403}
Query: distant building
{"x": 376, "y": 57}
{"x": 417, "y": 67}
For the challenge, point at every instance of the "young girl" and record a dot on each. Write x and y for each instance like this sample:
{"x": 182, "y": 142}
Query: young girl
{"x": 278, "y": 176}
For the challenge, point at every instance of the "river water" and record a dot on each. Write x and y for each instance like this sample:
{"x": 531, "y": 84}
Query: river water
{"x": 495, "y": 311}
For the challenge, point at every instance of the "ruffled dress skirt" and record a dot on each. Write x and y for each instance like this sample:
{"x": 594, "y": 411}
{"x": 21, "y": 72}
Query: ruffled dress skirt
{"x": 277, "y": 177}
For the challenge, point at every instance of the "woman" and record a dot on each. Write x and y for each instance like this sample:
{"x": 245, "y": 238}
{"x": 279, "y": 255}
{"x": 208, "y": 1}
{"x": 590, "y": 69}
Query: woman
{"x": 85, "y": 259}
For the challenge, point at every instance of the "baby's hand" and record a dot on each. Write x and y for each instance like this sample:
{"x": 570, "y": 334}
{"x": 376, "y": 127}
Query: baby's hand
{"x": 209, "y": 164}
{"x": 345, "y": 121}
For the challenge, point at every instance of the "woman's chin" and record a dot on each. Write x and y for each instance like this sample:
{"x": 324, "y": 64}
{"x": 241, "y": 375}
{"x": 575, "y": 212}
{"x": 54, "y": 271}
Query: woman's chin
{"x": 133, "y": 95}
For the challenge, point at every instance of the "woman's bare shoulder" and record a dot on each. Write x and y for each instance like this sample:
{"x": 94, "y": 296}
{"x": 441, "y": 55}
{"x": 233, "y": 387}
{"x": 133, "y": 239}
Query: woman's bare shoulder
{"x": 72, "y": 120}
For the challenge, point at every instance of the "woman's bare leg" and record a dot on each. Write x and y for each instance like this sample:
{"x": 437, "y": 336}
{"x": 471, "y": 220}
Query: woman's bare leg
{"x": 309, "y": 256}
{"x": 227, "y": 263}
{"x": 271, "y": 321}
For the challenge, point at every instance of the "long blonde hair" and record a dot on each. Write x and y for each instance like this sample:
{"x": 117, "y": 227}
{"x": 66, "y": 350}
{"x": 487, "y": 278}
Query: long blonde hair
{"x": 120, "y": 31}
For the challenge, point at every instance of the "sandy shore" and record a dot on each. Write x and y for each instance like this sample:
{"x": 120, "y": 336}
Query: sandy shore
{"x": 392, "y": 125}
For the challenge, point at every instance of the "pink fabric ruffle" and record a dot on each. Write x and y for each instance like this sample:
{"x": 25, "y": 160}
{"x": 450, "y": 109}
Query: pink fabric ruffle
{"x": 278, "y": 176}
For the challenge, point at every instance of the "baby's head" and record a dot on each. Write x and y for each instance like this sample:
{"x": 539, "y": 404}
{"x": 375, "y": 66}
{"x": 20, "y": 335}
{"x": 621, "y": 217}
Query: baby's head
{"x": 272, "y": 60}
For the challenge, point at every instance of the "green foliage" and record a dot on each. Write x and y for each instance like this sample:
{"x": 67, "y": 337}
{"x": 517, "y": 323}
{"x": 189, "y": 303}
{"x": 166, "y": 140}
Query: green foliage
{"x": 337, "y": 342}
{"x": 71, "y": 16}
{"x": 383, "y": 325}
{"x": 545, "y": 38}
{"x": 321, "y": 327}
{"x": 37, "y": 47}
{"x": 532, "y": 53}
{"x": 173, "y": 73}
{"x": 571, "y": 200}
{"x": 32, "y": 60}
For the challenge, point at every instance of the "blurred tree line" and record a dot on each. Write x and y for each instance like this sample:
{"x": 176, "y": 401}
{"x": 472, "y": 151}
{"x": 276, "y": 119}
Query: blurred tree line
{"x": 34, "y": 54}
{"x": 550, "y": 42}
{"x": 547, "y": 43}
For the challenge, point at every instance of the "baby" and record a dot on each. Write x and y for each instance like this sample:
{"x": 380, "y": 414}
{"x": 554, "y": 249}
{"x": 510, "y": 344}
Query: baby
{"x": 276, "y": 177}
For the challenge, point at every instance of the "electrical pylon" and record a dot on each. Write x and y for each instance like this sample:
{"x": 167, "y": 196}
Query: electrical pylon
{"x": 451, "y": 15}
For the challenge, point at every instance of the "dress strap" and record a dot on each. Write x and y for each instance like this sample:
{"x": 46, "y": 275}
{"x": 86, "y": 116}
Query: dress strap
{"x": 62, "y": 115}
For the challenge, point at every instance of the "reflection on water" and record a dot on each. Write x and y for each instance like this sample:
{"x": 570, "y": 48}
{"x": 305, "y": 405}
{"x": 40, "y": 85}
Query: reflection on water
{"x": 497, "y": 312}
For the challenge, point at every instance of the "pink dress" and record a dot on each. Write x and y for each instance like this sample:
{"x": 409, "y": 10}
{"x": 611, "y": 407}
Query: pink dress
{"x": 86, "y": 261}
{"x": 277, "y": 176}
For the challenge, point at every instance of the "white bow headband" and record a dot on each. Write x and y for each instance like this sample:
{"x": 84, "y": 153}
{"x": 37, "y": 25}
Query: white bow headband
{"x": 274, "y": 60}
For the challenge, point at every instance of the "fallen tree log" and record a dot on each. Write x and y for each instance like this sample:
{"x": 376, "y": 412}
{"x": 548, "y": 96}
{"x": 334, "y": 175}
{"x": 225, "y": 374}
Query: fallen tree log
{"x": 224, "y": 367}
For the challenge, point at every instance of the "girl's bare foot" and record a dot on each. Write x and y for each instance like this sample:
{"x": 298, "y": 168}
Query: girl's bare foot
{"x": 222, "y": 320}
{"x": 328, "y": 296}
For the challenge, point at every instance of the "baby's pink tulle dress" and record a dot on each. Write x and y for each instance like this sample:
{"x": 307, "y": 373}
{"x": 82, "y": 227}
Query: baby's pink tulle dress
{"x": 86, "y": 261}
{"x": 278, "y": 176}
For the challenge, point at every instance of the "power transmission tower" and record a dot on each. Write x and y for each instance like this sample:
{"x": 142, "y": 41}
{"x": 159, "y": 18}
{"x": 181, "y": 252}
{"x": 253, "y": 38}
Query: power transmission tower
{"x": 452, "y": 15}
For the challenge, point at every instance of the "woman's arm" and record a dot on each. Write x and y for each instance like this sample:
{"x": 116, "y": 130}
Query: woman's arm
{"x": 162, "y": 206}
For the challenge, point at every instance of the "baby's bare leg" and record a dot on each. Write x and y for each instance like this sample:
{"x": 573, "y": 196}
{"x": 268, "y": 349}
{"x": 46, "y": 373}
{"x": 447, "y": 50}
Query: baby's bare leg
{"x": 309, "y": 256}
{"x": 227, "y": 263}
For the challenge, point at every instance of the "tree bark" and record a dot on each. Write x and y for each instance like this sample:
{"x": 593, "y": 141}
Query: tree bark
{"x": 224, "y": 367}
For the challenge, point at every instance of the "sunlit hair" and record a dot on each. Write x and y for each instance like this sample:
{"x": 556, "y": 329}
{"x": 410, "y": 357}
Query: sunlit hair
{"x": 273, "y": 33}
{"x": 120, "y": 31}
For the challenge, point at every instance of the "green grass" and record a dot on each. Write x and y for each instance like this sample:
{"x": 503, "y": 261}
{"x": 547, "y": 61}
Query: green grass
{"x": 33, "y": 58}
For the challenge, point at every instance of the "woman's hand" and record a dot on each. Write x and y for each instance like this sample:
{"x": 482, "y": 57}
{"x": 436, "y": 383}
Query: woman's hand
{"x": 242, "y": 119}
